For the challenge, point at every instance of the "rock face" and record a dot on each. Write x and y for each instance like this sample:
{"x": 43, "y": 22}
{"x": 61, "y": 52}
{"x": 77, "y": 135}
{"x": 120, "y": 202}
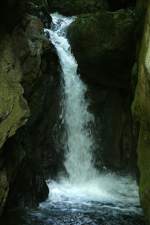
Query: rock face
{"x": 11, "y": 12}
{"x": 141, "y": 111}
{"x": 101, "y": 43}
{"x": 104, "y": 46}
{"x": 14, "y": 109}
{"x": 28, "y": 78}
{"x": 76, "y": 7}
{"x": 115, "y": 5}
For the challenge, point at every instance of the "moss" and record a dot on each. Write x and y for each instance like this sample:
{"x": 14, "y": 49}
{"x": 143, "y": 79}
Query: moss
{"x": 141, "y": 112}
{"x": 75, "y": 7}
{"x": 4, "y": 188}
{"x": 144, "y": 165}
{"x": 22, "y": 67}
{"x": 104, "y": 46}
{"x": 14, "y": 109}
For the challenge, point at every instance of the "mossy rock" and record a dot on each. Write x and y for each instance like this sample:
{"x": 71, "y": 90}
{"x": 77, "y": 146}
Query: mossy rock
{"x": 144, "y": 166}
{"x": 76, "y": 7}
{"x": 4, "y": 188}
{"x": 104, "y": 46}
{"x": 120, "y": 4}
{"x": 14, "y": 109}
{"x": 141, "y": 112}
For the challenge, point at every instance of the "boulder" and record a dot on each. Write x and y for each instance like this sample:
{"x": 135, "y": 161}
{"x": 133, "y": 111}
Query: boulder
{"x": 4, "y": 189}
{"x": 14, "y": 110}
{"x": 104, "y": 47}
{"x": 76, "y": 7}
{"x": 141, "y": 112}
{"x": 11, "y": 12}
{"x": 113, "y": 131}
{"x": 120, "y": 4}
{"x": 26, "y": 78}
{"x": 35, "y": 190}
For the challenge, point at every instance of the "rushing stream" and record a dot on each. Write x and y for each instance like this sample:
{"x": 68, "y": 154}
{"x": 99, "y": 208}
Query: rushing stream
{"x": 85, "y": 196}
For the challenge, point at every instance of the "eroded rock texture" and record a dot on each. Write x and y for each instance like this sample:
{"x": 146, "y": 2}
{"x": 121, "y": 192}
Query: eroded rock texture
{"x": 104, "y": 46}
{"x": 76, "y": 7}
{"x": 28, "y": 77}
{"x": 141, "y": 111}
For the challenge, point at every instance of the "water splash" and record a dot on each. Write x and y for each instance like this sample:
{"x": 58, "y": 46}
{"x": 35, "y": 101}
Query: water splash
{"x": 79, "y": 145}
{"x": 84, "y": 184}
{"x": 86, "y": 197}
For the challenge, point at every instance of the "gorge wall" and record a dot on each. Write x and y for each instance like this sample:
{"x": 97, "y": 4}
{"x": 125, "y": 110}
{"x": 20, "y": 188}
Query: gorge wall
{"x": 104, "y": 46}
{"x": 141, "y": 111}
{"x": 104, "y": 40}
{"x": 28, "y": 76}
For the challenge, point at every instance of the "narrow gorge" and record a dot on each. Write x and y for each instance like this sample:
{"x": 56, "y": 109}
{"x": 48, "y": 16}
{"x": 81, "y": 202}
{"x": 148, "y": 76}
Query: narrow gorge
{"x": 74, "y": 112}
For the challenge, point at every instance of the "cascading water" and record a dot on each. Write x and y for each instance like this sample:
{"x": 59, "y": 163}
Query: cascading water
{"x": 84, "y": 182}
{"x": 85, "y": 196}
{"x": 77, "y": 119}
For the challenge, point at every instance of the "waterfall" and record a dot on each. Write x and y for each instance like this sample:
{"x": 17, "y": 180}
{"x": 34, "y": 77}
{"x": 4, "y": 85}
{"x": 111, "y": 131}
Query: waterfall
{"x": 85, "y": 196}
{"x": 84, "y": 182}
{"x": 77, "y": 119}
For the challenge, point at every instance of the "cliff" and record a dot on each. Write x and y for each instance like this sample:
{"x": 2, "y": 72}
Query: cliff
{"x": 30, "y": 92}
{"x": 141, "y": 112}
{"x": 28, "y": 76}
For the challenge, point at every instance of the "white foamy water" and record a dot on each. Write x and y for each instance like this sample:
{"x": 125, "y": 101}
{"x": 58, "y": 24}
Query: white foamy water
{"x": 79, "y": 144}
{"x": 84, "y": 184}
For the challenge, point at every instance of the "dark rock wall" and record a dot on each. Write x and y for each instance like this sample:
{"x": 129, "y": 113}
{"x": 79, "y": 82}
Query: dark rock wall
{"x": 115, "y": 5}
{"x": 76, "y": 7}
{"x": 28, "y": 94}
{"x": 104, "y": 44}
{"x": 141, "y": 109}
{"x": 11, "y": 12}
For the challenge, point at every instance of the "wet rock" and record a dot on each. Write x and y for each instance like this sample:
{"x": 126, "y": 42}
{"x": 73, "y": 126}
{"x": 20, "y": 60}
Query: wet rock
{"x": 40, "y": 10}
{"x": 104, "y": 47}
{"x": 42, "y": 89}
{"x": 14, "y": 110}
{"x": 76, "y": 7}
{"x": 120, "y": 4}
{"x": 114, "y": 132}
{"x": 33, "y": 50}
{"x": 11, "y": 12}
{"x": 25, "y": 85}
{"x": 141, "y": 112}
{"x": 4, "y": 189}
{"x": 29, "y": 187}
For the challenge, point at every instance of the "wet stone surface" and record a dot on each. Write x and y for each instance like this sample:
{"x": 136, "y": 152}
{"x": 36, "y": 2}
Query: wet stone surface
{"x": 87, "y": 197}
